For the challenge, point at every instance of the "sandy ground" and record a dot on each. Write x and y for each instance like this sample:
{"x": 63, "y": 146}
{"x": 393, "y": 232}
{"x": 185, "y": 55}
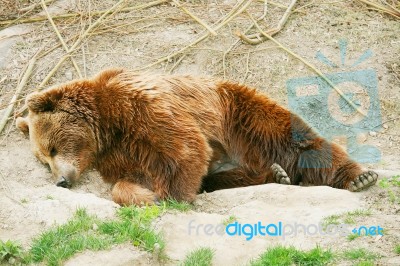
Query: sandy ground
{"x": 30, "y": 202}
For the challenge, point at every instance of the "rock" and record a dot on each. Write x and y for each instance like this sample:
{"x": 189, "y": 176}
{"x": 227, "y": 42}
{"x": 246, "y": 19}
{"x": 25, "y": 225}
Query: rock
{"x": 68, "y": 74}
{"x": 11, "y": 261}
{"x": 362, "y": 137}
{"x": 373, "y": 133}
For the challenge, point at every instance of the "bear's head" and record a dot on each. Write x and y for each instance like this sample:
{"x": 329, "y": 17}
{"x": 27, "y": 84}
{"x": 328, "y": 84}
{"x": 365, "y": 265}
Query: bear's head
{"x": 60, "y": 133}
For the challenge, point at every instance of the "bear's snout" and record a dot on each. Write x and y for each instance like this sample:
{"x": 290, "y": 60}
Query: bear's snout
{"x": 63, "y": 182}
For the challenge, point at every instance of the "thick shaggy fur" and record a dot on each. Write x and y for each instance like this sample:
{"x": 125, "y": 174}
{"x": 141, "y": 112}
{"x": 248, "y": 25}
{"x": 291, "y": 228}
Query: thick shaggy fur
{"x": 171, "y": 136}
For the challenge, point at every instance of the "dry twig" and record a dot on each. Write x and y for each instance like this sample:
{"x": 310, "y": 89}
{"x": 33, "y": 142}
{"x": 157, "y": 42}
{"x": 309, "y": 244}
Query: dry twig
{"x": 245, "y": 32}
{"x": 236, "y": 10}
{"x": 313, "y": 68}
{"x": 258, "y": 38}
{"x": 201, "y": 22}
{"x": 78, "y": 42}
{"x": 176, "y": 63}
{"x": 60, "y": 38}
{"x": 18, "y": 90}
{"x": 385, "y": 8}
{"x": 73, "y": 15}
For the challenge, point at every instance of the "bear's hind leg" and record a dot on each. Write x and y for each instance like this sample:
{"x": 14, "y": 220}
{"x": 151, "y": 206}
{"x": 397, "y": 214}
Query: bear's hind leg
{"x": 128, "y": 193}
{"x": 237, "y": 177}
{"x": 349, "y": 175}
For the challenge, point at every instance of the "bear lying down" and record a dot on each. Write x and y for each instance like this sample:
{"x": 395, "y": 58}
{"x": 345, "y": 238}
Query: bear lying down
{"x": 157, "y": 137}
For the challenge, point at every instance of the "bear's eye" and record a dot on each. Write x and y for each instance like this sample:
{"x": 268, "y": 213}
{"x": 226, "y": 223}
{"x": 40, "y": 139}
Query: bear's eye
{"x": 53, "y": 152}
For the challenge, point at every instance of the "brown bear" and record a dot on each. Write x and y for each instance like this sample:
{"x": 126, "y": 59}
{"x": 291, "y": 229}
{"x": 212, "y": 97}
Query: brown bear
{"x": 159, "y": 136}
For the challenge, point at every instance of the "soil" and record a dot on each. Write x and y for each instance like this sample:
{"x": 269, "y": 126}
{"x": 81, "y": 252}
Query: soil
{"x": 30, "y": 202}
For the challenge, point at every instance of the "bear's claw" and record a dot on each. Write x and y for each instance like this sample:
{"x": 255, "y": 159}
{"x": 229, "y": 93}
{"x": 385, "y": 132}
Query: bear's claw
{"x": 363, "y": 181}
{"x": 281, "y": 176}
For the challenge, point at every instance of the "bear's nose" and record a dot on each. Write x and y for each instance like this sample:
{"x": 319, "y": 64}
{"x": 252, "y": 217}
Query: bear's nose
{"x": 63, "y": 182}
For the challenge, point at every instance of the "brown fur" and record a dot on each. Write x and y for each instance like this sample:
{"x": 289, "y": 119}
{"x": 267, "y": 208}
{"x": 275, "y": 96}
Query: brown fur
{"x": 168, "y": 136}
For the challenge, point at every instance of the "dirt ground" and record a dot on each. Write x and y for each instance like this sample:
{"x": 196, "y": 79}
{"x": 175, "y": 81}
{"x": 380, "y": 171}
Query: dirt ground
{"x": 30, "y": 202}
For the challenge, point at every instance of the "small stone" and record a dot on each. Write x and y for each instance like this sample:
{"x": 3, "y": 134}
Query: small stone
{"x": 11, "y": 261}
{"x": 95, "y": 227}
{"x": 199, "y": 202}
{"x": 68, "y": 74}
{"x": 385, "y": 126}
{"x": 362, "y": 137}
{"x": 373, "y": 133}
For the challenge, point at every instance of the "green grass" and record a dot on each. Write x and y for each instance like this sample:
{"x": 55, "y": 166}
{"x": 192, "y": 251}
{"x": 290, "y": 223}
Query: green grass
{"x": 396, "y": 180}
{"x": 346, "y": 218}
{"x": 349, "y": 217}
{"x": 360, "y": 254}
{"x": 24, "y": 201}
{"x": 10, "y": 251}
{"x": 389, "y": 184}
{"x": 330, "y": 220}
{"x": 397, "y": 249}
{"x": 229, "y": 220}
{"x": 87, "y": 232}
{"x": 352, "y": 236}
{"x": 199, "y": 257}
{"x": 181, "y": 206}
{"x": 365, "y": 263}
{"x": 283, "y": 256}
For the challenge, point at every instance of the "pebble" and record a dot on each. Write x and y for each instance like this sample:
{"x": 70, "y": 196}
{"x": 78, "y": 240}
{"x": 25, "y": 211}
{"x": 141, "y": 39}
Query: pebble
{"x": 68, "y": 74}
{"x": 199, "y": 202}
{"x": 373, "y": 133}
{"x": 95, "y": 227}
{"x": 11, "y": 261}
{"x": 362, "y": 137}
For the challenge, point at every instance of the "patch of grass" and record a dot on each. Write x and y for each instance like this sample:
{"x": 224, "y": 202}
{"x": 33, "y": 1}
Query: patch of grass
{"x": 49, "y": 197}
{"x": 177, "y": 205}
{"x": 352, "y": 236}
{"x": 330, "y": 220}
{"x": 24, "y": 201}
{"x": 87, "y": 232}
{"x": 365, "y": 263}
{"x": 10, "y": 251}
{"x": 389, "y": 184}
{"x": 283, "y": 256}
{"x": 359, "y": 213}
{"x": 360, "y": 254}
{"x": 229, "y": 220}
{"x": 384, "y": 183}
{"x": 396, "y": 180}
{"x": 397, "y": 249}
{"x": 392, "y": 196}
{"x": 199, "y": 257}
{"x": 347, "y": 218}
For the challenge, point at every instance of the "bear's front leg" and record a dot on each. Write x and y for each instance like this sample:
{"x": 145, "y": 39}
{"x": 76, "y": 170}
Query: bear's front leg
{"x": 128, "y": 193}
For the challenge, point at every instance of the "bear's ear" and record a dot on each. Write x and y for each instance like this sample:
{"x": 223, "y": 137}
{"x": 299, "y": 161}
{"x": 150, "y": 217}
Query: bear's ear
{"x": 22, "y": 124}
{"x": 43, "y": 101}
